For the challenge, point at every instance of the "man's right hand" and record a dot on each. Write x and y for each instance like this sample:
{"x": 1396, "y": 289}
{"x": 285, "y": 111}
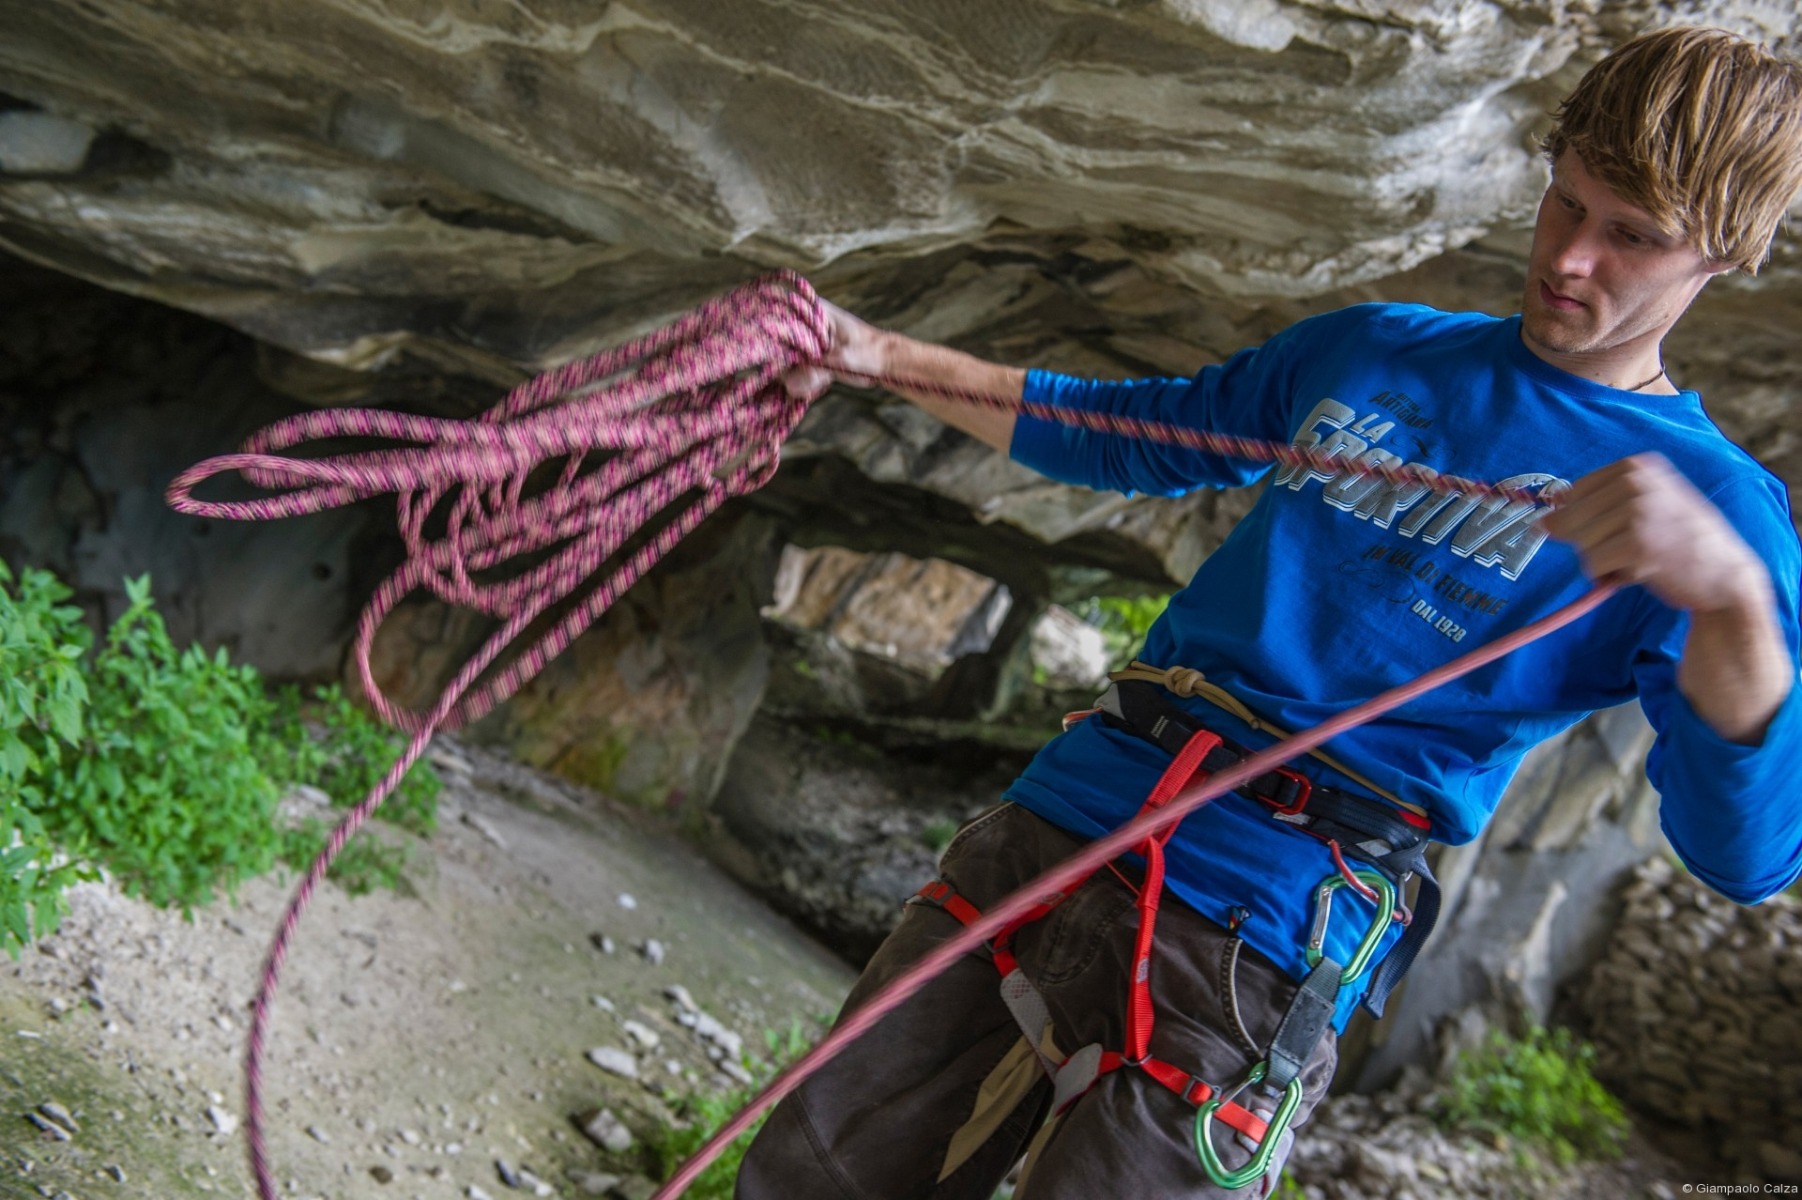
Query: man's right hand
{"x": 854, "y": 351}
{"x": 863, "y": 355}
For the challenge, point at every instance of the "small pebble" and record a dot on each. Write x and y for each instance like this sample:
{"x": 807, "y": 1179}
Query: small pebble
{"x": 653, "y": 951}
{"x": 605, "y": 1130}
{"x": 615, "y": 1061}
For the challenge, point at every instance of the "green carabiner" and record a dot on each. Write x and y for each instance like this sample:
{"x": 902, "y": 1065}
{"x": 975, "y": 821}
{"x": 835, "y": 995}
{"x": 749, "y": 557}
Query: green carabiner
{"x": 1323, "y": 909}
{"x": 1259, "y": 1166}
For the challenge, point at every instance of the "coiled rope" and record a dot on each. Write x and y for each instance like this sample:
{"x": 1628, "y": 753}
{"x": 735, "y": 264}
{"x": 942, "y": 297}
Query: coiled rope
{"x": 678, "y": 422}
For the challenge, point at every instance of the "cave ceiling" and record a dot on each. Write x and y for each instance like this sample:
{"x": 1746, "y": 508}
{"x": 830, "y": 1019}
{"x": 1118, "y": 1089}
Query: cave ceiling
{"x": 480, "y": 188}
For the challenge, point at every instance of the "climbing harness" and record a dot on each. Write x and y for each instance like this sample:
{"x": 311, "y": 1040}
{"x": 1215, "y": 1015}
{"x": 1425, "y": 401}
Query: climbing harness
{"x": 1391, "y": 838}
{"x": 678, "y": 422}
{"x": 1394, "y": 841}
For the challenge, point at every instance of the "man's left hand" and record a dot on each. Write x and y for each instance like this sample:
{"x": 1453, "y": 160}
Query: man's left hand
{"x": 1640, "y": 521}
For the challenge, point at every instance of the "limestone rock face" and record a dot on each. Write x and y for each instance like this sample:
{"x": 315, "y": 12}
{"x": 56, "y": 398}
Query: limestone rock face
{"x": 648, "y": 703}
{"x": 343, "y": 178}
{"x": 419, "y": 201}
{"x": 1694, "y": 1014}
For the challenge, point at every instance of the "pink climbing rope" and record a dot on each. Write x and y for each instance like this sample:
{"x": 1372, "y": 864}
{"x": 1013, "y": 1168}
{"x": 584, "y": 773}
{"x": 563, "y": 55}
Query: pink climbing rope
{"x": 677, "y": 421}
{"x": 1092, "y": 857}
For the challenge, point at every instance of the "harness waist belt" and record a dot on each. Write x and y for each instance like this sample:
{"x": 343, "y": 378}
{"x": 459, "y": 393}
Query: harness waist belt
{"x": 1391, "y": 840}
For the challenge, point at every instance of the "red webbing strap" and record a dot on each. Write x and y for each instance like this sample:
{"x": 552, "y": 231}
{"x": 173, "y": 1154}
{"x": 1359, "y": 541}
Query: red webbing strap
{"x": 1189, "y": 1087}
{"x": 943, "y": 895}
{"x": 1139, "y": 1015}
{"x": 1193, "y": 1091}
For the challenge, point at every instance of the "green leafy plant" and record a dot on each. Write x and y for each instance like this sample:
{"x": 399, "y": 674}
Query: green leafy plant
{"x": 701, "y": 1115}
{"x": 328, "y": 742}
{"x": 165, "y": 791}
{"x": 163, "y": 766}
{"x": 43, "y": 704}
{"x": 1122, "y": 620}
{"x": 1287, "y": 1188}
{"x": 938, "y": 833}
{"x": 365, "y": 864}
{"x": 1540, "y": 1090}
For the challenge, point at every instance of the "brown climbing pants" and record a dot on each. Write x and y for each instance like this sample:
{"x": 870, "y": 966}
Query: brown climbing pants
{"x": 942, "y": 1097}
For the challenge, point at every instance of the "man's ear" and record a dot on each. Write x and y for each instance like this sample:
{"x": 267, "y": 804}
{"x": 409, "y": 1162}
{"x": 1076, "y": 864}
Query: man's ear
{"x": 1715, "y": 266}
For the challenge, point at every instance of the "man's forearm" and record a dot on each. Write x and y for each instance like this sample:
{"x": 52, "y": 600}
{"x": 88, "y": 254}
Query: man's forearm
{"x": 1735, "y": 671}
{"x": 903, "y": 358}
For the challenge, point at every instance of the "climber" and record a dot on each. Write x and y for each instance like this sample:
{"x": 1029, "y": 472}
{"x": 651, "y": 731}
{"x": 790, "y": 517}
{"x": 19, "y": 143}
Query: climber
{"x": 1107, "y": 1061}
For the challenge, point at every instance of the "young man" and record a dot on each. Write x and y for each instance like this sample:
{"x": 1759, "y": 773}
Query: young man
{"x": 1671, "y": 163}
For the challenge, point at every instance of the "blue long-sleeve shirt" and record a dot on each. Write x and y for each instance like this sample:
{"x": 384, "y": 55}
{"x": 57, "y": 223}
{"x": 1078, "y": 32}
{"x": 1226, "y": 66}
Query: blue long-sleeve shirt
{"x": 1335, "y": 588}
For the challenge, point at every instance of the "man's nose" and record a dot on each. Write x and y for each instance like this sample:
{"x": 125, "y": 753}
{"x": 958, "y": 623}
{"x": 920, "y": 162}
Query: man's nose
{"x": 1575, "y": 252}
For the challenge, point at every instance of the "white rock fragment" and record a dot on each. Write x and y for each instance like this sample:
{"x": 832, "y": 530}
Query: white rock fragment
{"x": 614, "y": 1061}
{"x": 224, "y": 1121}
{"x": 602, "y": 1003}
{"x": 319, "y": 1135}
{"x": 627, "y": 900}
{"x": 60, "y": 1115}
{"x": 643, "y": 1034}
{"x": 605, "y": 1130}
{"x": 683, "y": 1001}
{"x": 653, "y": 951}
{"x": 480, "y": 824}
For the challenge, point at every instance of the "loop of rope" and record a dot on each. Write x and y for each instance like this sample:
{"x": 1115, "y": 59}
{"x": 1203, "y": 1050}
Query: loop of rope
{"x": 696, "y": 407}
{"x": 685, "y": 418}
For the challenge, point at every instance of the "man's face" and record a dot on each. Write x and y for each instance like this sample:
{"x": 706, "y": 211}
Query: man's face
{"x": 1601, "y": 276}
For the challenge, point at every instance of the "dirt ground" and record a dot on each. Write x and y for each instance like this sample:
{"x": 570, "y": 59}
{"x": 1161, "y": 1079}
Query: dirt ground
{"x": 418, "y": 1039}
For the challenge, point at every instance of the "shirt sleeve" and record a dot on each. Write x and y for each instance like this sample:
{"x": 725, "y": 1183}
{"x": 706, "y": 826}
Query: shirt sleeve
{"x": 1732, "y": 812}
{"x": 1250, "y": 395}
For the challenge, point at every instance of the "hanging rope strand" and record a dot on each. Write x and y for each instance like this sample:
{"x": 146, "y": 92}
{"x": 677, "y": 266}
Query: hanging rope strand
{"x": 689, "y": 416}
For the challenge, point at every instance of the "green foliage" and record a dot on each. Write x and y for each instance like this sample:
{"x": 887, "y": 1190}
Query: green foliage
{"x": 1122, "y": 620}
{"x": 938, "y": 834}
{"x": 333, "y": 745}
{"x": 364, "y": 864}
{"x": 1539, "y": 1090}
{"x": 700, "y": 1116}
{"x": 1287, "y": 1188}
{"x": 166, "y": 791}
{"x": 345, "y": 753}
{"x": 162, "y": 766}
{"x": 43, "y": 702}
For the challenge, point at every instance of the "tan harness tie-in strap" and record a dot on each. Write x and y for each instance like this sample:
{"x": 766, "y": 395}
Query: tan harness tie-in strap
{"x": 1187, "y": 681}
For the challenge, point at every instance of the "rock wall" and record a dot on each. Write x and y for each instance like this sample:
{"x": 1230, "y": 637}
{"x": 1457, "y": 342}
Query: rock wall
{"x": 415, "y": 204}
{"x": 1696, "y": 1011}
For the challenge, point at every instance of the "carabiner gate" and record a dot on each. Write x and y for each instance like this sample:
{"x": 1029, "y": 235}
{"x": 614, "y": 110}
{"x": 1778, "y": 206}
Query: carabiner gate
{"x": 1259, "y": 1164}
{"x": 1323, "y": 911}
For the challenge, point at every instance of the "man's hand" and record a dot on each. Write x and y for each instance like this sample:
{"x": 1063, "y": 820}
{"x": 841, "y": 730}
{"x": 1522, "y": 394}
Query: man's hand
{"x": 1640, "y": 521}
{"x": 862, "y": 355}
{"x": 854, "y": 349}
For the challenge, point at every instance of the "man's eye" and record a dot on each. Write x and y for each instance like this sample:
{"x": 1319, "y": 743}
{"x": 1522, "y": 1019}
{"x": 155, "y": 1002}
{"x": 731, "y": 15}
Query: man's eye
{"x": 1631, "y": 238}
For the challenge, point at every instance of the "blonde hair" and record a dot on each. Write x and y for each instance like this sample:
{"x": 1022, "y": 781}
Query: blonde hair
{"x": 1699, "y": 127}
